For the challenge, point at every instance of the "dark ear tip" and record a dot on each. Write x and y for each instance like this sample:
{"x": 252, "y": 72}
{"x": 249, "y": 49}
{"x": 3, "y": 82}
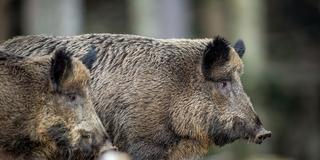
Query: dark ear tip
{"x": 240, "y": 47}
{"x": 216, "y": 53}
{"x": 239, "y": 43}
{"x": 92, "y": 53}
{"x": 61, "y": 64}
{"x": 219, "y": 45}
{"x": 89, "y": 58}
{"x": 62, "y": 49}
{"x": 219, "y": 40}
{"x": 62, "y": 53}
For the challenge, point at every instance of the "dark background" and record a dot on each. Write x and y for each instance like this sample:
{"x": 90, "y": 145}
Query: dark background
{"x": 282, "y": 60}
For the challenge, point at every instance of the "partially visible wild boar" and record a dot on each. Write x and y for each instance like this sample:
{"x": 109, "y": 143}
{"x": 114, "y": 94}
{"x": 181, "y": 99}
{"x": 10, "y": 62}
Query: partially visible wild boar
{"x": 46, "y": 110}
{"x": 163, "y": 99}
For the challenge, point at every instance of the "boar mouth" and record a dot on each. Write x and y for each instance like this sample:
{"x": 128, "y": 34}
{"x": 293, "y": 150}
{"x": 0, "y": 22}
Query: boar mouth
{"x": 59, "y": 133}
{"x": 256, "y": 137}
{"x": 221, "y": 139}
{"x": 221, "y": 136}
{"x": 260, "y": 135}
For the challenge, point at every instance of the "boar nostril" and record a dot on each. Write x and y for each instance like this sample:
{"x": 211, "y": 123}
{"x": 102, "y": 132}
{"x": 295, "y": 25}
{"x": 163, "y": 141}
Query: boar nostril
{"x": 262, "y": 135}
{"x": 86, "y": 136}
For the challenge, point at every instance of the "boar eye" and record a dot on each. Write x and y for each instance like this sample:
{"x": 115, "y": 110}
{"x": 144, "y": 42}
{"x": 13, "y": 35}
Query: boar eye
{"x": 71, "y": 97}
{"x": 223, "y": 85}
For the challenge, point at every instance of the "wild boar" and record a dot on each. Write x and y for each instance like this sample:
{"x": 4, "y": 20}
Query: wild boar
{"x": 46, "y": 111}
{"x": 163, "y": 99}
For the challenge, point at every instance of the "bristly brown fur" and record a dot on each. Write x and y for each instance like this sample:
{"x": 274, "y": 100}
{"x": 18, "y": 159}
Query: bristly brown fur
{"x": 38, "y": 122}
{"x": 152, "y": 95}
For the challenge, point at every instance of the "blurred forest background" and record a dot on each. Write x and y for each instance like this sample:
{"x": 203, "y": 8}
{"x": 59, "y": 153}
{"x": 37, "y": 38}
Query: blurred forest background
{"x": 282, "y": 60}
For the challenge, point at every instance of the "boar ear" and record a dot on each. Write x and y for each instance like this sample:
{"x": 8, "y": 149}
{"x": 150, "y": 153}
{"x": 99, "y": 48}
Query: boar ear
{"x": 215, "y": 54}
{"x": 89, "y": 58}
{"x": 61, "y": 67}
{"x": 239, "y": 47}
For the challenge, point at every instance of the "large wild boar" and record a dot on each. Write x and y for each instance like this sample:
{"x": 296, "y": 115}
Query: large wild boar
{"x": 163, "y": 99}
{"x": 46, "y": 110}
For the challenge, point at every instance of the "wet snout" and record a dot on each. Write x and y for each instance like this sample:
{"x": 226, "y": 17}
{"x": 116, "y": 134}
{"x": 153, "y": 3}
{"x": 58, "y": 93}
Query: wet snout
{"x": 261, "y": 135}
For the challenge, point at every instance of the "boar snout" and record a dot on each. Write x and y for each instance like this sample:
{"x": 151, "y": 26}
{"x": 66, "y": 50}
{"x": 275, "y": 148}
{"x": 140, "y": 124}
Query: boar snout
{"x": 91, "y": 142}
{"x": 261, "y": 135}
